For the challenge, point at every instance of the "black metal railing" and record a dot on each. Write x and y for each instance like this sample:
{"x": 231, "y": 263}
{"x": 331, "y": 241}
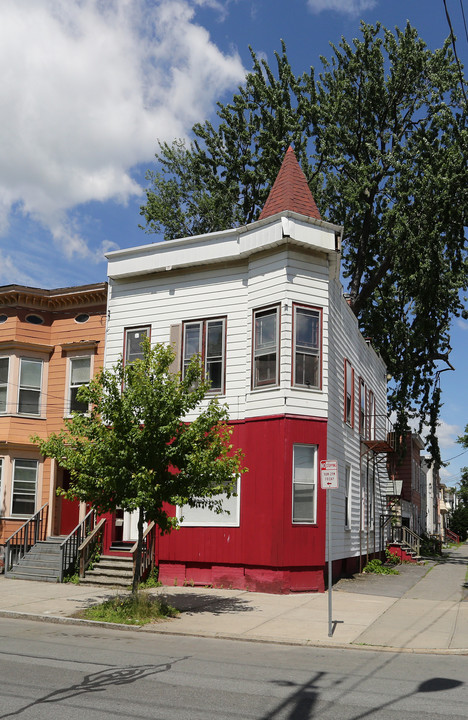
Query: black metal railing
{"x": 69, "y": 547}
{"x": 23, "y": 539}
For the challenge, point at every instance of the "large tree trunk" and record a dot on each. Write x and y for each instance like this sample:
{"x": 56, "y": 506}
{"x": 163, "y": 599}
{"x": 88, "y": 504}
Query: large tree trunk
{"x": 137, "y": 566}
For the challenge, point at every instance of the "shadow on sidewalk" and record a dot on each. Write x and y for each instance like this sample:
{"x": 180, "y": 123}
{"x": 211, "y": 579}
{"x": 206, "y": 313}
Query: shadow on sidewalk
{"x": 192, "y": 603}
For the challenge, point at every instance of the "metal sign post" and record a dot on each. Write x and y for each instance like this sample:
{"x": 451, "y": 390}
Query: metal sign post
{"x": 329, "y": 481}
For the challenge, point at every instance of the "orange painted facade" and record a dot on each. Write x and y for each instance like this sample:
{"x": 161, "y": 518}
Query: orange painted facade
{"x": 51, "y": 341}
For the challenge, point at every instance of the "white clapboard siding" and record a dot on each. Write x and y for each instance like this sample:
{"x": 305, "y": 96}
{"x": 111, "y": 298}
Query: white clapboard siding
{"x": 345, "y": 341}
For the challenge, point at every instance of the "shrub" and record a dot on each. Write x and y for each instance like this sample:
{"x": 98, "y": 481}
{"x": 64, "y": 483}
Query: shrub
{"x": 375, "y": 566}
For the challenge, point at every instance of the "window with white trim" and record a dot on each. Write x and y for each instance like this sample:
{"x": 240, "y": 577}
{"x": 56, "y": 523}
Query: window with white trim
{"x": 24, "y": 487}
{"x": 370, "y": 502}
{"x": 304, "y": 483}
{"x": 349, "y": 394}
{"x": 4, "y": 368}
{"x": 30, "y": 379}
{"x": 347, "y": 518}
{"x": 206, "y": 338}
{"x": 203, "y": 516}
{"x": 134, "y": 338}
{"x": 80, "y": 372}
{"x": 362, "y": 408}
{"x": 306, "y": 347}
{"x": 265, "y": 347}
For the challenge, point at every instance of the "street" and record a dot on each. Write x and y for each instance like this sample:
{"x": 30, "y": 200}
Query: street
{"x": 69, "y": 671}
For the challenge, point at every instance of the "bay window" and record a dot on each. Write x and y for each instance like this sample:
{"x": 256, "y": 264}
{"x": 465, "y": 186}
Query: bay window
{"x": 4, "y": 367}
{"x": 24, "y": 487}
{"x": 306, "y": 347}
{"x": 265, "y": 347}
{"x": 30, "y": 378}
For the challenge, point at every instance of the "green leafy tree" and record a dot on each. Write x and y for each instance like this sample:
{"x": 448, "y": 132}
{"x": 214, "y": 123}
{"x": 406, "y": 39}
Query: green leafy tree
{"x": 382, "y": 138}
{"x": 133, "y": 449}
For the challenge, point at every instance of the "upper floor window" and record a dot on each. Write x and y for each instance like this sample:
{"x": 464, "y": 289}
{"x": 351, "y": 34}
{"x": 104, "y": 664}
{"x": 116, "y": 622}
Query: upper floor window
{"x": 304, "y": 482}
{"x": 4, "y": 367}
{"x": 80, "y": 371}
{"x": 24, "y": 487}
{"x": 30, "y": 378}
{"x": 362, "y": 408}
{"x": 133, "y": 343}
{"x": 206, "y": 338}
{"x": 265, "y": 347}
{"x": 306, "y": 347}
{"x": 349, "y": 394}
{"x": 35, "y": 319}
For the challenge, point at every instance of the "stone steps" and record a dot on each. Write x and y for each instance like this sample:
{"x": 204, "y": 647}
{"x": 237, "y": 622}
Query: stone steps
{"x": 111, "y": 571}
{"x": 41, "y": 563}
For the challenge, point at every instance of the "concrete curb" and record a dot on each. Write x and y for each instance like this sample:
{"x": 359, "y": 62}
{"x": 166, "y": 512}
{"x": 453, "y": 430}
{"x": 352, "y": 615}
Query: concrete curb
{"x": 152, "y": 628}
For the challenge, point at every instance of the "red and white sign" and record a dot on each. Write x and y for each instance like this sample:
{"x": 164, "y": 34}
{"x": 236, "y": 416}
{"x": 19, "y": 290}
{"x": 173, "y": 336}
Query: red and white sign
{"x": 329, "y": 474}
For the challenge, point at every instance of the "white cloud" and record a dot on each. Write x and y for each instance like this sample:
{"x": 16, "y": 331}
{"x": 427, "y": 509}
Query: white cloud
{"x": 8, "y": 269}
{"x": 348, "y": 7}
{"x": 446, "y": 433}
{"x": 87, "y": 89}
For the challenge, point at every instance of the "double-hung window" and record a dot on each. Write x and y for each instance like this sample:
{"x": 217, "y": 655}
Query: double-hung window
{"x": 4, "y": 366}
{"x": 206, "y": 338}
{"x": 30, "y": 378}
{"x": 265, "y": 347}
{"x": 134, "y": 338}
{"x": 80, "y": 370}
{"x": 362, "y": 408}
{"x": 306, "y": 347}
{"x": 349, "y": 394}
{"x": 347, "y": 509}
{"x": 24, "y": 487}
{"x": 304, "y": 482}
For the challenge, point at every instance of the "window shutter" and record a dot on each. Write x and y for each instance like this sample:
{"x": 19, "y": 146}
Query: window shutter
{"x": 175, "y": 339}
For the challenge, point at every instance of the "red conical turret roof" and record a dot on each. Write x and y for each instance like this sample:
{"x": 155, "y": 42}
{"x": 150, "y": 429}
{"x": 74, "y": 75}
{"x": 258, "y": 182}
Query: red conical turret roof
{"x": 290, "y": 191}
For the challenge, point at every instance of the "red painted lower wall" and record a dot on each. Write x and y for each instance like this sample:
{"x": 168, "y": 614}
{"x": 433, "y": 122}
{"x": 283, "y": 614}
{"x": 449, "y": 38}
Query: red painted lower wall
{"x": 267, "y": 552}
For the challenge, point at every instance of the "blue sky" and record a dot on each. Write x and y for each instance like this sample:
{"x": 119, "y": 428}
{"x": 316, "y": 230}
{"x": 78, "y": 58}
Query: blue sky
{"x": 89, "y": 86}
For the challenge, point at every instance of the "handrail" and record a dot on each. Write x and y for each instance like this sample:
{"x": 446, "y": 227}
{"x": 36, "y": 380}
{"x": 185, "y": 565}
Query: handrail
{"x": 69, "y": 547}
{"x": 147, "y": 551}
{"x": 407, "y": 536}
{"x": 23, "y": 539}
{"x": 85, "y": 549}
{"x": 452, "y": 535}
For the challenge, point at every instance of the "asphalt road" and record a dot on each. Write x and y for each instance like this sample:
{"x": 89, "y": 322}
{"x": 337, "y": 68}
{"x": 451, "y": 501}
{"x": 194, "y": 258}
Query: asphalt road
{"x": 76, "y": 672}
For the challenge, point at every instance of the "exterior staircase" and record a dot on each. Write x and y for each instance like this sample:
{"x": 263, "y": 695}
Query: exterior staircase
{"x": 42, "y": 562}
{"x": 110, "y": 571}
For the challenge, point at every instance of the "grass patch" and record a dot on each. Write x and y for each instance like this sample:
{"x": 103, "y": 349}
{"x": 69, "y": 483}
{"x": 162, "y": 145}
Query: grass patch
{"x": 139, "y": 609}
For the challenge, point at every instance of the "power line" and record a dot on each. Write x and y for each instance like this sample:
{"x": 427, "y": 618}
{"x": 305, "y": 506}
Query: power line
{"x": 464, "y": 19}
{"x": 452, "y": 36}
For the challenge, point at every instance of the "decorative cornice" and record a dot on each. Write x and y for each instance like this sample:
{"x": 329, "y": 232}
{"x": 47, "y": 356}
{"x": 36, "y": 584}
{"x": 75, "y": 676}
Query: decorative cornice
{"x": 79, "y": 296}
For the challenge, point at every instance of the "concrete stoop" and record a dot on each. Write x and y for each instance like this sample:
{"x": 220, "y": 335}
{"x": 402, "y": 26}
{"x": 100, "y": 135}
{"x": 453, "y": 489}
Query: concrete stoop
{"x": 403, "y": 552}
{"x": 41, "y": 563}
{"x": 110, "y": 571}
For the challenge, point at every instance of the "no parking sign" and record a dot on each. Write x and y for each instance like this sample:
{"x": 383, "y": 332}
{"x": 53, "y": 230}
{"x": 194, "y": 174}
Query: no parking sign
{"x": 329, "y": 474}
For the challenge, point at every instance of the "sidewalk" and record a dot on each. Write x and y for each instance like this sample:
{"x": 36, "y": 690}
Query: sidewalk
{"x": 422, "y": 609}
